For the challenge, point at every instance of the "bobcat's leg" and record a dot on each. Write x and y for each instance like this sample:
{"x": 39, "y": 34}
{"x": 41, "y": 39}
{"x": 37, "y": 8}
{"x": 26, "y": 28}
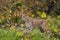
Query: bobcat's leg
{"x": 29, "y": 26}
{"x": 46, "y": 29}
{"x": 44, "y": 26}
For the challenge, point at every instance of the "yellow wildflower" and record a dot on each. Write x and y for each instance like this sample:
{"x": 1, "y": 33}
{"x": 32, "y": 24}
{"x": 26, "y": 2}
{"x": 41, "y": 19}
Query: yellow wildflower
{"x": 43, "y": 15}
{"x": 14, "y": 14}
{"x": 2, "y": 17}
{"x": 8, "y": 18}
{"x": 32, "y": 15}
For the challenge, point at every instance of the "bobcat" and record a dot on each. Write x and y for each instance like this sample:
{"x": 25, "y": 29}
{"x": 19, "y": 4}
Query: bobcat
{"x": 32, "y": 23}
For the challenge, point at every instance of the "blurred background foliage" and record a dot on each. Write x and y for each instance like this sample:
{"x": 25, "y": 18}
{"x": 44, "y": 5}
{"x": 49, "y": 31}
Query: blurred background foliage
{"x": 13, "y": 26}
